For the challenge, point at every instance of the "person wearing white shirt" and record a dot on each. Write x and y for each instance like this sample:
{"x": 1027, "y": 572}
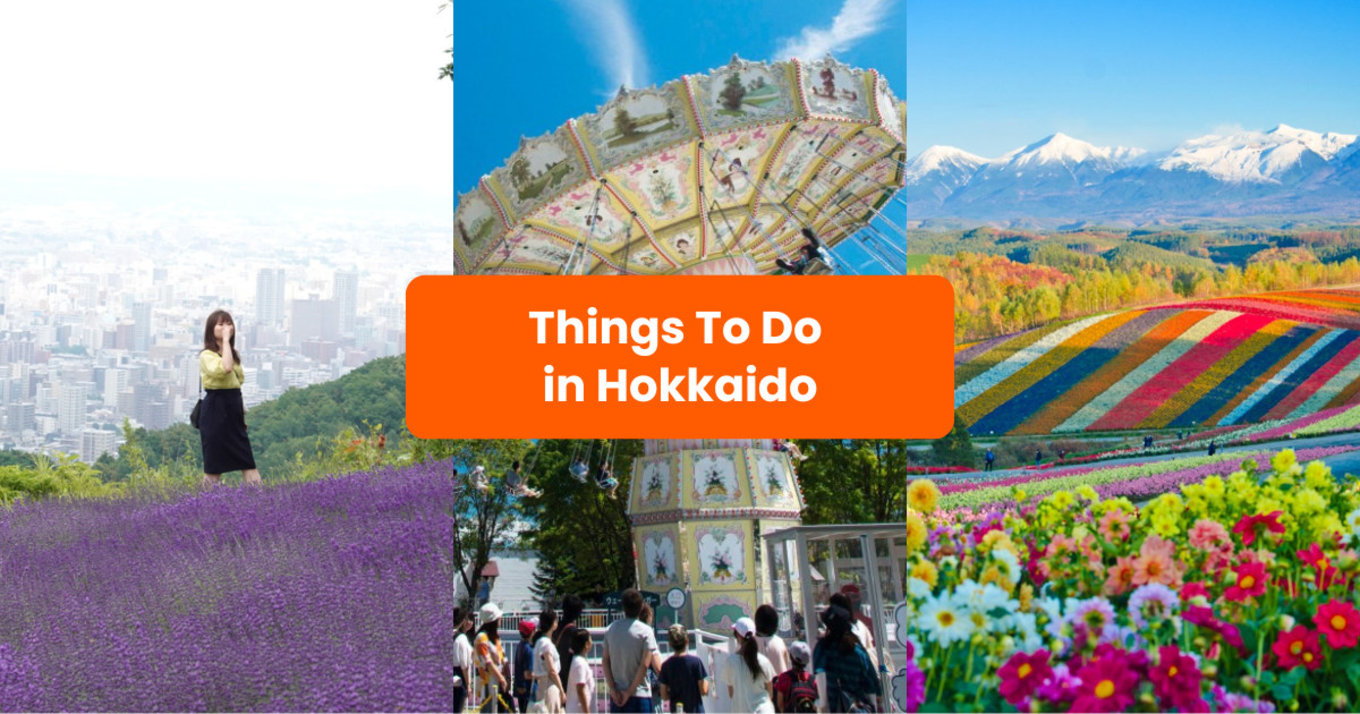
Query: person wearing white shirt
{"x": 580, "y": 677}
{"x": 462, "y": 658}
{"x": 749, "y": 674}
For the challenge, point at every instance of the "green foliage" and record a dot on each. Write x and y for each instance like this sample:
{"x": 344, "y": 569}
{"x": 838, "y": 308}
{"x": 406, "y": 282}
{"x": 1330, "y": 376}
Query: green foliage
{"x": 854, "y": 480}
{"x": 582, "y": 537}
{"x": 956, "y": 447}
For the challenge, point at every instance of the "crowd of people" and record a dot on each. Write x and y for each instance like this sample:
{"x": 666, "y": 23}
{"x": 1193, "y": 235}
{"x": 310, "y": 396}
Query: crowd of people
{"x": 549, "y": 671}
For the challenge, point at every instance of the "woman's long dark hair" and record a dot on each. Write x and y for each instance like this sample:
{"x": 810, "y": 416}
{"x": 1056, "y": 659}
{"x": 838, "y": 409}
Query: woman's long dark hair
{"x": 210, "y": 340}
{"x": 546, "y": 620}
{"x": 750, "y": 653}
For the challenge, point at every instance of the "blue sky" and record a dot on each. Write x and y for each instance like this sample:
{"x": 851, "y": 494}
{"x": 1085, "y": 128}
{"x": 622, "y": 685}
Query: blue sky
{"x": 523, "y": 67}
{"x": 990, "y": 76}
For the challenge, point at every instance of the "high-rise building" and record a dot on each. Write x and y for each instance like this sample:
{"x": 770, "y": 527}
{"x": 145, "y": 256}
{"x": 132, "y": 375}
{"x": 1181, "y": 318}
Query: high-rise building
{"x": 71, "y": 407}
{"x": 313, "y": 318}
{"x": 346, "y": 294}
{"x": 95, "y": 443}
{"x": 19, "y": 417}
{"x": 269, "y": 292}
{"x": 141, "y": 326}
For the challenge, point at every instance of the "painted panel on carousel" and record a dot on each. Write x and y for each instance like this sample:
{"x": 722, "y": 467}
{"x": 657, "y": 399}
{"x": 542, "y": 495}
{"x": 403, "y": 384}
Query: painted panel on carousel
{"x": 732, "y": 163}
{"x": 541, "y": 169}
{"x": 657, "y": 548}
{"x": 476, "y": 225}
{"x": 721, "y": 555}
{"x": 774, "y": 480}
{"x": 715, "y": 479}
{"x": 834, "y": 89}
{"x": 637, "y": 122}
{"x": 745, "y": 92}
{"x": 607, "y": 226}
{"x": 717, "y": 613}
{"x": 890, "y": 117}
{"x": 657, "y": 483}
{"x": 661, "y": 185}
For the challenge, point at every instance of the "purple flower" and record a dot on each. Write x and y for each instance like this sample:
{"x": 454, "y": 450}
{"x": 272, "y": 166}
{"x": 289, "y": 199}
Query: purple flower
{"x": 1155, "y": 600}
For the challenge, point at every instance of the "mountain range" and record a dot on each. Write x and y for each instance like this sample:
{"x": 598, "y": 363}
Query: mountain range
{"x": 1283, "y": 171}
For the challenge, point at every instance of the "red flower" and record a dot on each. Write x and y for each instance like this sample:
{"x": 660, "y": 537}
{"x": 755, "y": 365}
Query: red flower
{"x": 1192, "y": 589}
{"x": 1298, "y": 646}
{"x": 1175, "y": 679}
{"x": 1251, "y": 582}
{"x": 1107, "y": 684}
{"x": 1340, "y": 622}
{"x": 1022, "y": 674}
{"x": 1251, "y": 526}
{"x": 1326, "y": 572}
{"x": 1204, "y": 617}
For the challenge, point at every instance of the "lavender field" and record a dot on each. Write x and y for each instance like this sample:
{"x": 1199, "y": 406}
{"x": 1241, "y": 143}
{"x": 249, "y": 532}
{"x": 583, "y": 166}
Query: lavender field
{"x": 332, "y": 595}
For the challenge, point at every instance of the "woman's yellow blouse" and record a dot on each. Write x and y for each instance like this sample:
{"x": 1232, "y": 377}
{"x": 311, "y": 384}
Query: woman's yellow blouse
{"x": 214, "y": 377}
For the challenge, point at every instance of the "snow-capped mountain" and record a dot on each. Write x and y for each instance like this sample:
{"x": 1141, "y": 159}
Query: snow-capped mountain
{"x": 1253, "y": 156}
{"x": 1284, "y": 170}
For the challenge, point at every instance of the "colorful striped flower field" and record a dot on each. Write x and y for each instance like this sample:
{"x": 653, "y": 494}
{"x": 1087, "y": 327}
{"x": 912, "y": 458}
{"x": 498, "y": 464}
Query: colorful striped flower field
{"x": 1197, "y": 365}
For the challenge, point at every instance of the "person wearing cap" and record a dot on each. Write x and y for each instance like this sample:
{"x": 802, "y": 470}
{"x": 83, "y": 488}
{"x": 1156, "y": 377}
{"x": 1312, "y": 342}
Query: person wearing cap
{"x": 524, "y": 663}
{"x": 462, "y": 657}
{"x": 851, "y": 677}
{"x": 796, "y": 689}
{"x": 684, "y": 679}
{"x": 749, "y": 674}
{"x": 628, "y": 645}
{"x": 490, "y": 655}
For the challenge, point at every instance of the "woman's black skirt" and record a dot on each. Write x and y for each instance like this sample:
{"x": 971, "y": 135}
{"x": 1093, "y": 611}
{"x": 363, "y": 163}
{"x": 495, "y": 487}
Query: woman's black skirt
{"x": 222, "y": 428}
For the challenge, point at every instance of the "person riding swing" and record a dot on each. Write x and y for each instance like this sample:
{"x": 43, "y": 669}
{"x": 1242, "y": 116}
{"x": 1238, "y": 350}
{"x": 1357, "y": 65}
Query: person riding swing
{"x": 812, "y": 250}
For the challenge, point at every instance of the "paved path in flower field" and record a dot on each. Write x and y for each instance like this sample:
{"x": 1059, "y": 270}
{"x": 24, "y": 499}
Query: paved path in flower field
{"x": 1340, "y": 464}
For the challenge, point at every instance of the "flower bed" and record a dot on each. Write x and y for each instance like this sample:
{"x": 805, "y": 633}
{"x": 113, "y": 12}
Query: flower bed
{"x": 1233, "y": 594}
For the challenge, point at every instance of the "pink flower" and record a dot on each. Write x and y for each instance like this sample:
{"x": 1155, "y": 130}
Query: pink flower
{"x": 1251, "y": 582}
{"x": 1208, "y": 534}
{"x": 1175, "y": 679}
{"x": 1107, "y": 683}
{"x": 1022, "y": 674}
{"x": 1340, "y": 622}
{"x": 1249, "y": 527}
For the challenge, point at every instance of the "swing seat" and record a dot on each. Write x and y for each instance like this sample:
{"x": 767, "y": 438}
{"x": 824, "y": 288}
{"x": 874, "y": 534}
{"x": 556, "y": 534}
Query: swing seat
{"x": 579, "y": 471}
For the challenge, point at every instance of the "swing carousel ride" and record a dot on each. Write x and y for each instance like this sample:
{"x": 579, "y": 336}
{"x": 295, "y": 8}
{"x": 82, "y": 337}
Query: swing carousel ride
{"x": 707, "y": 174}
{"x": 753, "y": 168}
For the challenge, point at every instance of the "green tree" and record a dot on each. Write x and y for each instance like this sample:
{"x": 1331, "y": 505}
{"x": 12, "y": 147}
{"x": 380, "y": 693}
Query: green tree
{"x": 955, "y": 448}
{"x": 854, "y": 480}
{"x": 582, "y": 537}
{"x": 624, "y": 123}
{"x": 732, "y": 92}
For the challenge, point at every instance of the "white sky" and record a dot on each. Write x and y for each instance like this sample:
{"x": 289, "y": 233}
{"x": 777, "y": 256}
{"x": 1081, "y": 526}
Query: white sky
{"x": 334, "y": 95}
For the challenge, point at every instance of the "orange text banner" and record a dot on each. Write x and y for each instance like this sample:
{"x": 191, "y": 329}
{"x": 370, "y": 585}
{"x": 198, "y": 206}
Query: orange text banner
{"x": 679, "y": 356}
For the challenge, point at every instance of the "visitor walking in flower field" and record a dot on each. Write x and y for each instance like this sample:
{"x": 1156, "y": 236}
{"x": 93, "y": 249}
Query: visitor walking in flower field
{"x": 222, "y": 413}
{"x": 581, "y": 678}
{"x": 771, "y": 644}
{"x": 795, "y": 690}
{"x": 684, "y": 679}
{"x": 749, "y": 675}
{"x": 988, "y": 459}
{"x": 524, "y": 663}
{"x": 851, "y": 679}
{"x": 628, "y": 645}
{"x": 551, "y": 694}
{"x": 489, "y": 653}
{"x": 462, "y": 658}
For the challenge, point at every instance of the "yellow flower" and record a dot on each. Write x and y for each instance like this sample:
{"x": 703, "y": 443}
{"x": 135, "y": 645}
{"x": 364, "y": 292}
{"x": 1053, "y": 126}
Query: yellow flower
{"x": 1308, "y": 501}
{"x": 1088, "y": 493}
{"x": 1318, "y": 475}
{"x": 925, "y": 571}
{"x": 916, "y": 532}
{"x": 1213, "y": 489}
{"x": 1026, "y": 597}
{"x": 1323, "y": 526}
{"x": 922, "y": 495}
{"x": 995, "y": 575}
{"x": 1286, "y": 463}
{"x": 1062, "y": 500}
{"x": 1020, "y": 495}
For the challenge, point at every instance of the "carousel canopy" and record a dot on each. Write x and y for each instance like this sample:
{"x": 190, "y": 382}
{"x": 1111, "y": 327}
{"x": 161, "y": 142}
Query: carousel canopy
{"x": 705, "y": 170}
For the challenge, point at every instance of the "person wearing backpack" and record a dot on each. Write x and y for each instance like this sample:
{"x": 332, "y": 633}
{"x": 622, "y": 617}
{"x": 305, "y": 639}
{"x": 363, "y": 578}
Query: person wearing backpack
{"x": 796, "y": 690}
{"x": 851, "y": 678}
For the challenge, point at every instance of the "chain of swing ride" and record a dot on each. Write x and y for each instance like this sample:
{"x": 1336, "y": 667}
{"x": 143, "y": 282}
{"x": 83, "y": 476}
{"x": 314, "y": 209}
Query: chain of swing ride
{"x": 878, "y": 245}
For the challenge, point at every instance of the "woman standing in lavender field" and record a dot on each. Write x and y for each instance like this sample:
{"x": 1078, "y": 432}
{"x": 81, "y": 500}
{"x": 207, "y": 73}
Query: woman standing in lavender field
{"x": 222, "y": 419}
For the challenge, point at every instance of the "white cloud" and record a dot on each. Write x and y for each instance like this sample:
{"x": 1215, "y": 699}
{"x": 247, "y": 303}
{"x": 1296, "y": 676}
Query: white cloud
{"x": 608, "y": 30}
{"x": 856, "y": 20}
